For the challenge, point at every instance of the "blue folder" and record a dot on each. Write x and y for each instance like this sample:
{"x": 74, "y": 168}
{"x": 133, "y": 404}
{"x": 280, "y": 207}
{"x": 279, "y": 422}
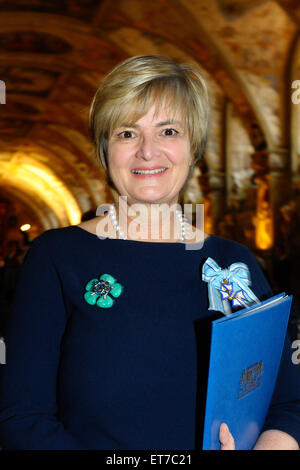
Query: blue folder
{"x": 245, "y": 353}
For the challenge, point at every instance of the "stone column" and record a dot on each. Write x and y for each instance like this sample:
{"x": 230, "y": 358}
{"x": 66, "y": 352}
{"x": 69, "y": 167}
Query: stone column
{"x": 280, "y": 182}
{"x": 218, "y": 198}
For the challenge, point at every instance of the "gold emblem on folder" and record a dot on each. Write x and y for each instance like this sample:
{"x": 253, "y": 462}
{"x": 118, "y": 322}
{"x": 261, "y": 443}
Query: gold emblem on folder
{"x": 250, "y": 379}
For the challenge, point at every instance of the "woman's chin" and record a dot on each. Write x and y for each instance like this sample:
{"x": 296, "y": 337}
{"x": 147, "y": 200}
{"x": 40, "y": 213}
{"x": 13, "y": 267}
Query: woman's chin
{"x": 152, "y": 199}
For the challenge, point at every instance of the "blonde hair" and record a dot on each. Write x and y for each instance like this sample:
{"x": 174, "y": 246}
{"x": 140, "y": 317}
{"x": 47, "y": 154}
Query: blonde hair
{"x": 132, "y": 87}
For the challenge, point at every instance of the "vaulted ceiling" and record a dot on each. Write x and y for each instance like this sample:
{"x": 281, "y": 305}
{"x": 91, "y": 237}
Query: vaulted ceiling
{"x": 53, "y": 55}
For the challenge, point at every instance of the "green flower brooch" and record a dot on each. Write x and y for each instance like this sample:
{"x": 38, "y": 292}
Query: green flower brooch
{"x": 99, "y": 291}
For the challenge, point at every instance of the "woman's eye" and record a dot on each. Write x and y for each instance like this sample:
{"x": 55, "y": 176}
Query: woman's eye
{"x": 169, "y": 132}
{"x": 126, "y": 134}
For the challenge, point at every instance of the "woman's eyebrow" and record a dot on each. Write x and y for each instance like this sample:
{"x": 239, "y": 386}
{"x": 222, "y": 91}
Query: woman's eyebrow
{"x": 166, "y": 123}
{"x": 158, "y": 124}
{"x": 127, "y": 125}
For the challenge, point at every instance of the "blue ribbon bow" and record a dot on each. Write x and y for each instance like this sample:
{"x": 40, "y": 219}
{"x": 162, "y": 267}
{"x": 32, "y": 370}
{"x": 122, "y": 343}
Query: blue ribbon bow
{"x": 228, "y": 285}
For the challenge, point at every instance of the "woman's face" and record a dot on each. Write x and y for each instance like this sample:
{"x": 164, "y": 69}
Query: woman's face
{"x": 154, "y": 144}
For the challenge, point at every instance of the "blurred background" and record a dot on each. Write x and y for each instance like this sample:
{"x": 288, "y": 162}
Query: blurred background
{"x": 53, "y": 55}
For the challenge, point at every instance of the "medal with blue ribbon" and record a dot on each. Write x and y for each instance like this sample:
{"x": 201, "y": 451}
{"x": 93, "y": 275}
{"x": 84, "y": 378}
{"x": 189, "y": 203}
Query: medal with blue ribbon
{"x": 228, "y": 288}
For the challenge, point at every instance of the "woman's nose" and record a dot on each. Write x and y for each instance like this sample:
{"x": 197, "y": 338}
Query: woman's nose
{"x": 148, "y": 148}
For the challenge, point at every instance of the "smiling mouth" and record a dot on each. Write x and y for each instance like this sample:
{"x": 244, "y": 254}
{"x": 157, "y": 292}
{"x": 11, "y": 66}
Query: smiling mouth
{"x": 149, "y": 172}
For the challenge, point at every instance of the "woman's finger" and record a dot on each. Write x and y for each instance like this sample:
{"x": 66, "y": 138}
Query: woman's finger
{"x": 226, "y": 438}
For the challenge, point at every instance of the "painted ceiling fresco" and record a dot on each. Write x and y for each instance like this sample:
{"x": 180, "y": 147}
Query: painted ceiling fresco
{"x": 53, "y": 55}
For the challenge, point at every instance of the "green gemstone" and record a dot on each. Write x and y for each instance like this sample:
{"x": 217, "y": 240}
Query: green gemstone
{"x": 108, "y": 278}
{"x": 91, "y": 283}
{"x": 116, "y": 290}
{"x": 105, "y": 303}
{"x": 90, "y": 298}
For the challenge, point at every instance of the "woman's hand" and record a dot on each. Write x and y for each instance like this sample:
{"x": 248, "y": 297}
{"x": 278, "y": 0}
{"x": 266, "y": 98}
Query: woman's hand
{"x": 226, "y": 438}
{"x": 269, "y": 440}
{"x": 274, "y": 439}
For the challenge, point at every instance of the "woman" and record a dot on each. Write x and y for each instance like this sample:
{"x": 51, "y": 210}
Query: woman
{"x": 101, "y": 345}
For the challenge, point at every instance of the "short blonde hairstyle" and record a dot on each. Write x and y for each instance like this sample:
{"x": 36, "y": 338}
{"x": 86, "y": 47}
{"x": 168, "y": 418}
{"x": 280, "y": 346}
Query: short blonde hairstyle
{"x": 131, "y": 88}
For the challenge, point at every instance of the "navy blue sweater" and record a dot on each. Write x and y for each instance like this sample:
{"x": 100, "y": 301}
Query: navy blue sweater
{"x": 78, "y": 376}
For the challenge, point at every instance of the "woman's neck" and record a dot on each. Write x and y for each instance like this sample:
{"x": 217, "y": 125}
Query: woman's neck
{"x": 149, "y": 222}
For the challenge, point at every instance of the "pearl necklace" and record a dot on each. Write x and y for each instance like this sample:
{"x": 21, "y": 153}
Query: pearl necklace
{"x": 113, "y": 218}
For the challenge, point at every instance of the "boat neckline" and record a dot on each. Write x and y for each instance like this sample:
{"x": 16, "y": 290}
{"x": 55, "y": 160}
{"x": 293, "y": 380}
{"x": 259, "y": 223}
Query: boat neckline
{"x": 141, "y": 242}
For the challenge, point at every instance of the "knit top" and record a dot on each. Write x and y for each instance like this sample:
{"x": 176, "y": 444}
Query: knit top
{"x": 132, "y": 376}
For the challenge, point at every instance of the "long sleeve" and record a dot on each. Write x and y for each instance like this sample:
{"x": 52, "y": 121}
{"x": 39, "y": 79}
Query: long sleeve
{"x": 284, "y": 411}
{"x": 28, "y": 408}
